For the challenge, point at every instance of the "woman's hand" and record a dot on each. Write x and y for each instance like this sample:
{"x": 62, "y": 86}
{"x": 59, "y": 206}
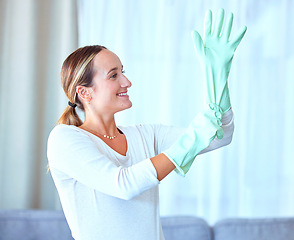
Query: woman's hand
{"x": 217, "y": 49}
{"x": 215, "y": 54}
{"x": 202, "y": 130}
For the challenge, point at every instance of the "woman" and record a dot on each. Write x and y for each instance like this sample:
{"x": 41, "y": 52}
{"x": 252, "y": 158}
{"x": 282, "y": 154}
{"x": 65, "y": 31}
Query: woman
{"x": 107, "y": 176}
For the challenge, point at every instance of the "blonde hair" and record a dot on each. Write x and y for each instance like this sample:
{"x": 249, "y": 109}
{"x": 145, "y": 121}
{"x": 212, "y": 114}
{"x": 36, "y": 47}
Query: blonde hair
{"x": 77, "y": 70}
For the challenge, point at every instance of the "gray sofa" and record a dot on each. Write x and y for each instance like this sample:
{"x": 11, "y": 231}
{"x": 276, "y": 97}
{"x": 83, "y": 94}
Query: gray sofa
{"x": 51, "y": 225}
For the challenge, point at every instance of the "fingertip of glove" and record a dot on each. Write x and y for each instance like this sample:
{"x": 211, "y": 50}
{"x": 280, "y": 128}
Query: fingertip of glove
{"x": 230, "y": 15}
{"x": 244, "y": 29}
{"x": 195, "y": 34}
{"x": 208, "y": 11}
{"x": 221, "y": 10}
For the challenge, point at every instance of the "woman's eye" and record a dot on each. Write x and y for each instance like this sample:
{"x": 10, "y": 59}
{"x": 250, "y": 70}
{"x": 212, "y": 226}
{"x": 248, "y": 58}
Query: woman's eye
{"x": 114, "y": 75}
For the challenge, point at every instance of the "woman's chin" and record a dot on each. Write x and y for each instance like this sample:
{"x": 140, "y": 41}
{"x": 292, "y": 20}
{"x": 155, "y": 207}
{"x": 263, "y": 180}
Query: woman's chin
{"x": 126, "y": 106}
{"x": 129, "y": 106}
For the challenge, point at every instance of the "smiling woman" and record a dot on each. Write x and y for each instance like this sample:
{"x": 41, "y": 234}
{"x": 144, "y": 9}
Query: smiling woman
{"x": 106, "y": 175}
{"x": 103, "y": 96}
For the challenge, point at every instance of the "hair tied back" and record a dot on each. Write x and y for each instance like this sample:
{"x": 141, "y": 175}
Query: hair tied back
{"x": 73, "y": 105}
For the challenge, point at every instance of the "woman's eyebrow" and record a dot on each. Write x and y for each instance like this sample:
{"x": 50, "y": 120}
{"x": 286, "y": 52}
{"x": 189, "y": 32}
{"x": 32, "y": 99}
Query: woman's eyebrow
{"x": 115, "y": 68}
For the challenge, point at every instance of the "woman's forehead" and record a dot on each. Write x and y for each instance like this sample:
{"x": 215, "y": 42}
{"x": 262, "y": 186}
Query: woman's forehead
{"x": 106, "y": 58}
{"x": 104, "y": 61}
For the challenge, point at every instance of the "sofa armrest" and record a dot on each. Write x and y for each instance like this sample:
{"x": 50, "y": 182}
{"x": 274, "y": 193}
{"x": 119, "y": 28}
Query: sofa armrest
{"x": 255, "y": 229}
{"x": 33, "y": 224}
{"x": 185, "y": 228}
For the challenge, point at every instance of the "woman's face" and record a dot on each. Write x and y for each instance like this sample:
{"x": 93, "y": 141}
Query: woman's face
{"x": 109, "y": 93}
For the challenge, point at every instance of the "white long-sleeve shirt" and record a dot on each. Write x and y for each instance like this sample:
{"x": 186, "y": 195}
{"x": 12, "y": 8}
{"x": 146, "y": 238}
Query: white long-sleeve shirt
{"x": 106, "y": 195}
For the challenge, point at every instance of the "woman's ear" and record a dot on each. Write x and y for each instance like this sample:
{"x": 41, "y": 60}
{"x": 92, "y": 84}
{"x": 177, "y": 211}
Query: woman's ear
{"x": 84, "y": 93}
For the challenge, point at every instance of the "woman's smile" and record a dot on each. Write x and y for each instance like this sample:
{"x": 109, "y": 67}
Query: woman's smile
{"x": 123, "y": 94}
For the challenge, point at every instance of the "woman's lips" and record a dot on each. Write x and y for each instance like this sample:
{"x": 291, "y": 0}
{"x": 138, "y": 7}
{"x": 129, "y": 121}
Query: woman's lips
{"x": 123, "y": 94}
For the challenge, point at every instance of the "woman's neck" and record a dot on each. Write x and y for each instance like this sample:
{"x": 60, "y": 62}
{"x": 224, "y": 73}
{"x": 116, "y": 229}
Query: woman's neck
{"x": 100, "y": 125}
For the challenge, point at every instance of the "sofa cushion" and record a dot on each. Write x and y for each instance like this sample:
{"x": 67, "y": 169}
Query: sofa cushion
{"x": 33, "y": 224}
{"x": 255, "y": 229}
{"x": 51, "y": 225}
{"x": 185, "y": 228}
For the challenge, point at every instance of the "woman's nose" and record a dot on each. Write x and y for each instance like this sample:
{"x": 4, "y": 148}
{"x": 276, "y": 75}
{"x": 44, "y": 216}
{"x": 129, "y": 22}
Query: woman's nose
{"x": 125, "y": 82}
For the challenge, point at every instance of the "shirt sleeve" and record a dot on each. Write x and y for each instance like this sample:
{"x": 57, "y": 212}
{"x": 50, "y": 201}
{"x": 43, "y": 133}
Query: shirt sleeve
{"x": 165, "y": 136}
{"x": 77, "y": 156}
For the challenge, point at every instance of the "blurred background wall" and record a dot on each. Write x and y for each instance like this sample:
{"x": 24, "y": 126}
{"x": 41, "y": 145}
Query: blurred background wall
{"x": 252, "y": 177}
{"x": 36, "y": 36}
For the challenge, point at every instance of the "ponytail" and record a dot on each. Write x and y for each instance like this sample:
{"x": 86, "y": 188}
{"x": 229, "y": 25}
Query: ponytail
{"x": 70, "y": 117}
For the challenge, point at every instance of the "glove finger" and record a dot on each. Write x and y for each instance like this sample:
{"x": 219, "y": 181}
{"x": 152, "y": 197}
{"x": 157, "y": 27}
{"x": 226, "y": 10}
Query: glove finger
{"x": 238, "y": 37}
{"x": 198, "y": 43}
{"x": 207, "y": 23}
{"x": 228, "y": 27}
{"x": 218, "y": 25}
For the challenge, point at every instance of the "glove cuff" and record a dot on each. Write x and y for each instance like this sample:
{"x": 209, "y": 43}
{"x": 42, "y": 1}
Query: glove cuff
{"x": 216, "y": 116}
{"x": 202, "y": 130}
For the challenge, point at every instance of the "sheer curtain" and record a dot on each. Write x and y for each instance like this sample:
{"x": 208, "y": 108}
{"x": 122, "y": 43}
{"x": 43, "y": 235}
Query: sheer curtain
{"x": 254, "y": 175}
{"x": 36, "y": 36}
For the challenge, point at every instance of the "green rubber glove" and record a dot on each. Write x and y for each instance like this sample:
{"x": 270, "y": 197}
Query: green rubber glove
{"x": 215, "y": 55}
{"x": 202, "y": 130}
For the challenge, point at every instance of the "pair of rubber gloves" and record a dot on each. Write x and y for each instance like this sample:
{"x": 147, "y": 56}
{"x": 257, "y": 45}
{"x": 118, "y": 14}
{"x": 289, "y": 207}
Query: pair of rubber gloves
{"x": 215, "y": 55}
